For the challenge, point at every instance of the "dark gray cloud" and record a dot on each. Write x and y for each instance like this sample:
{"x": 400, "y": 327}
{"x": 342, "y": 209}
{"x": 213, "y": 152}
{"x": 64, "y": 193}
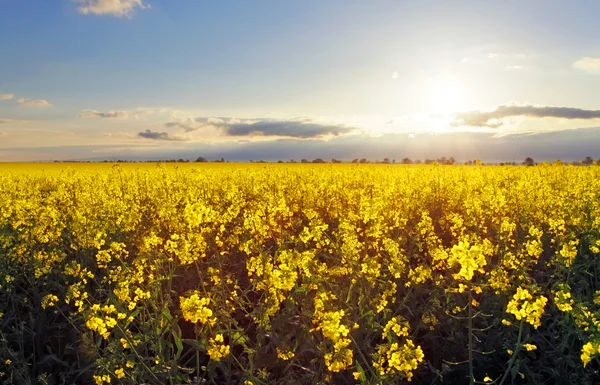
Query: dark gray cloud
{"x": 100, "y": 114}
{"x": 494, "y": 118}
{"x": 155, "y": 135}
{"x": 291, "y": 128}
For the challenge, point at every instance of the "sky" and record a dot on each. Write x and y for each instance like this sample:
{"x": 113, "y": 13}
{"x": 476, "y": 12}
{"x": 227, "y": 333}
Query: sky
{"x": 267, "y": 79}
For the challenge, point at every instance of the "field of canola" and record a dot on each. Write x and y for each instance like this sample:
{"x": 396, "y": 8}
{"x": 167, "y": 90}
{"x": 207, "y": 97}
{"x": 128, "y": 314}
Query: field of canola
{"x": 299, "y": 274}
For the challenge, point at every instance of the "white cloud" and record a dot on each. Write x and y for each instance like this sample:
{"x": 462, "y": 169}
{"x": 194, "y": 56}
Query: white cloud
{"x": 514, "y": 68}
{"x": 107, "y": 114}
{"x": 395, "y": 75}
{"x": 492, "y": 55}
{"x": 6, "y": 96}
{"x": 588, "y": 64}
{"x": 34, "y": 102}
{"x": 464, "y": 60}
{"x": 118, "y": 8}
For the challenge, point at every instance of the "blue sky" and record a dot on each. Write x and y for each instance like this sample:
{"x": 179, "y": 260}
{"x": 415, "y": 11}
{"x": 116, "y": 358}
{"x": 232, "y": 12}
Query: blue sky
{"x": 143, "y": 78}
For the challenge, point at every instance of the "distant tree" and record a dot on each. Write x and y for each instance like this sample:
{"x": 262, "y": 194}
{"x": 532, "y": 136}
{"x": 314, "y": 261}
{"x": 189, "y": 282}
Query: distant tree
{"x": 557, "y": 162}
{"x": 385, "y": 161}
{"x": 202, "y": 159}
{"x": 304, "y": 161}
{"x": 588, "y": 161}
{"x": 318, "y": 160}
{"x": 418, "y": 161}
{"x": 335, "y": 161}
{"x": 363, "y": 160}
{"x": 280, "y": 161}
{"x": 442, "y": 160}
{"x": 355, "y": 160}
{"x": 529, "y": 161}
{"x": 394, "y": 161}
{"x": 451, "y": 161}
{"x": 292, "y": 161}
{"x": 406, "y": 161}
{"x": 429, "y": 161}
{"x": 477, "y": 162}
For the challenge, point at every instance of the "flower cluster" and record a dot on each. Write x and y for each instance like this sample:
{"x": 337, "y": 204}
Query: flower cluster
{"x": 195, "y": 309}
{"x": 217, "y": 348}
{"x": 523, "y": 307}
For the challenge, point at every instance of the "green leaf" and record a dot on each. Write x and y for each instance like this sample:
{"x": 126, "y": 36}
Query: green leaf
{"x": 177, "y": 338}
{"x": 201, "y": 344}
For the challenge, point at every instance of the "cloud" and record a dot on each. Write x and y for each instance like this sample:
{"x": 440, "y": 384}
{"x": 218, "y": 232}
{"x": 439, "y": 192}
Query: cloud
{"x": 291, "y": 128}
{"x": 107, "y": 114}
{"x": 588, "y": 64}
{"x": 494, "y": 118}
{"x": 282, "y": 128}
{"x": 464, "y": 60}
{"x": 117, "y": 8}
{"x": 189, "y": 125}
{"x": 34, "y": 102}
{"x": 6, "y": 96}
{"x": 513, "y": 68}
{"x": 7, "y": 121}
{"x": 492, "y": 55}
{"x": 154, "y": 135}
{"x": 395, "y": 75}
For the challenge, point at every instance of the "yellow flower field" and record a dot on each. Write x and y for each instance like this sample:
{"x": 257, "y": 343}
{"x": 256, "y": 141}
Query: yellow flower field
{"x": 298, "y": 274}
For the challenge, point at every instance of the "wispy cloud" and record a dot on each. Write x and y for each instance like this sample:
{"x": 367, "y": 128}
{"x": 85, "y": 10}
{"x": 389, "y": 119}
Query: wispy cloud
{"x": 6, "y": 121}
{"x": 106, "y": 114}
{"x": 588, "y": 64}
{"x": 494, "y": 118}
{"x": 34, "y": 102}
{"x": 165, "y": 136}
{"x": 514, "y": 68}
{"x": 464, "y": 60}
{"x": 492, "y": 55}
{"x": 6, "y": 96}
{"x": 118, "y": 8}
{"x": 395, "y": 75}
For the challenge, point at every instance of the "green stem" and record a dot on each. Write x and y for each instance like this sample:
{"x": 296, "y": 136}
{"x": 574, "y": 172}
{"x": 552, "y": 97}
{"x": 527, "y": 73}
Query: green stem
{"x": 470, "y": 305}
{"x": 131, "y": 345}
{"x": 514, "y": 355}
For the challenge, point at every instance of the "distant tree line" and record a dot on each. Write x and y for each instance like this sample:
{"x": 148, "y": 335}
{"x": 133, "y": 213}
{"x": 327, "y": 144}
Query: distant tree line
{"x": 529, "y": 161}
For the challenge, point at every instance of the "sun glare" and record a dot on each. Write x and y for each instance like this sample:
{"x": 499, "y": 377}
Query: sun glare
{"x": 445, "y": 96}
